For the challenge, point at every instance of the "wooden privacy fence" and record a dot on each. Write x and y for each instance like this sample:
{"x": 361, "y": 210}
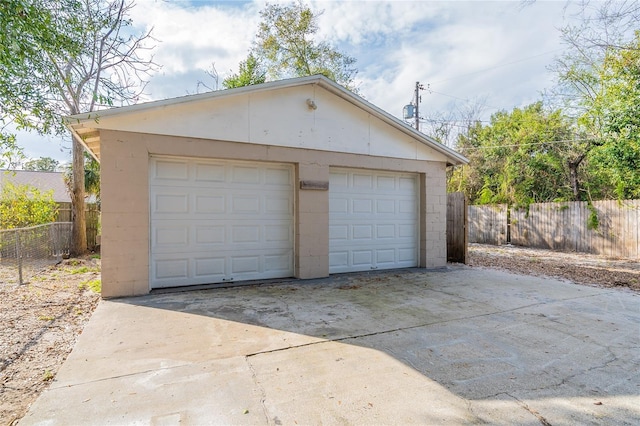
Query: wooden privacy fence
{"x": 488, "y": 224}
{"x": 92, "y": 218}
{"x": 607, "y": 228}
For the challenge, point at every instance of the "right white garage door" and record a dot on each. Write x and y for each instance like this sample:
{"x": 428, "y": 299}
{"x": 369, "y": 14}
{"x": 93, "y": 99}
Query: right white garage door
{"x": 373, "y": 220}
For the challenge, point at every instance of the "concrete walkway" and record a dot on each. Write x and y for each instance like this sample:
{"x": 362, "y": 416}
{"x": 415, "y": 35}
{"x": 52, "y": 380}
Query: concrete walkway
{"x": 461, "y": 346}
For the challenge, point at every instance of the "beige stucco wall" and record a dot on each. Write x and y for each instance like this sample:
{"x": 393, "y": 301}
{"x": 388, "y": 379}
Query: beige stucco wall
{"x": 279, "y": 117}
{"x": 125, "y": 201}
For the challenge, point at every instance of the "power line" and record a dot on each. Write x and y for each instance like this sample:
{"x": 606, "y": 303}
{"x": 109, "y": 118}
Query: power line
{"x": 473, "y": 148}
{"x": 504, "y": 64}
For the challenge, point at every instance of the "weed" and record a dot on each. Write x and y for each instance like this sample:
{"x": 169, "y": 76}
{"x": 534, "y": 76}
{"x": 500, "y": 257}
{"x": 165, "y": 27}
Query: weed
{"x": 95, "y": 256}
{"x": 94, "y": 285}
{"x": 82, "y": 270}
{"x": 46, "y": 318}
{"x": 48, "y": 375}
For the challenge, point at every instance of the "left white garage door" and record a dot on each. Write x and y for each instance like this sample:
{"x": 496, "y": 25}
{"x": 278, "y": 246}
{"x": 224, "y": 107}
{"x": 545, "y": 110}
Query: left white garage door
{"x": 216, "y": 221}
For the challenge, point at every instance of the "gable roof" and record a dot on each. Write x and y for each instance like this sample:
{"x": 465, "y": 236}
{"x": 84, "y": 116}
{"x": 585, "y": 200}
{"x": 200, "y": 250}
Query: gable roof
{"x": 43, "y": 181}
{"x": 86, "y": 127}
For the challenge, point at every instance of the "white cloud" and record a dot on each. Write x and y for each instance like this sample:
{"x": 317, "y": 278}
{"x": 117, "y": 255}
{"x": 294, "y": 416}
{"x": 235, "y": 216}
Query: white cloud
{"x": 467, "y": 50}
{"x": 192, "y": 38}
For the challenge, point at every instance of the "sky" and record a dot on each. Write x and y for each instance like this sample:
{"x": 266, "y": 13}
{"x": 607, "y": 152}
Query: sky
{"x": 493, "y": 53}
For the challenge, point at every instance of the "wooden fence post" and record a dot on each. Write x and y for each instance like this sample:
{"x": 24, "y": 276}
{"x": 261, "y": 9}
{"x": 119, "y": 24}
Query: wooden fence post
{"x": 457, "y": 230}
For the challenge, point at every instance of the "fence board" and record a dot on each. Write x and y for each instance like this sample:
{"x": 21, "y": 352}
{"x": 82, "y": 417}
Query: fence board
{"x": 488, "y": 224}
{"x": 565, "y": 226}
{"x": 456, "y": 227}
{"x": 92, "y": 219}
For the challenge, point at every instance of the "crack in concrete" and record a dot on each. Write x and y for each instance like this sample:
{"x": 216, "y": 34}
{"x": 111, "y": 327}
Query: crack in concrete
{"x": 263, "y": 393}
{"x": 540, "y": 417}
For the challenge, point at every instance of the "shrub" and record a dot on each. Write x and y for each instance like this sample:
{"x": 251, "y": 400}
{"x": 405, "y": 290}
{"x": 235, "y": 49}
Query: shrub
{"x": 25, "y": 205}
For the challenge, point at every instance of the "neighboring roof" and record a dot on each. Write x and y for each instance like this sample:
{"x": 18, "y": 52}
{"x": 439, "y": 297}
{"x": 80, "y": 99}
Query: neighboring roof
{"x": 43, "y": 181}
{"x": 86, "y": 126}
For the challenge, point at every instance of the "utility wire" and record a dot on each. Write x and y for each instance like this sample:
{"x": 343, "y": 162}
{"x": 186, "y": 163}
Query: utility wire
{"x": 504, "y": 64}
{"x": 474, "y": 148}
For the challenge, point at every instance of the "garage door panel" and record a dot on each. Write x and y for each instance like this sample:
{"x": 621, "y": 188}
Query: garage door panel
{"x": 172, "y": 268}
{"x": 245, "y": 204}
{"x": 362, "y": 232}
{"x": 362, "y": 181}
{"x": 386, "y": 256}
{"x": 362, "y": 206}
{"x": 211, "y": 172}
{"x": 278, "y": 178}
{"x": 219, "y": 220}
{"x": 385, "y": 231}
{"x": 208, "y": 267}
{"x": 407, "y": 255}
{"x": 209, "y": 204}
{"x": 373, "y": 220}
{"x": 338, "y": 232}
{"x": 338, "y": 205}
{"x": 278, "y": 204}
{"x": 362, "y": 257}
{"x": 277, "y": 233}
{"x": 278, "y": 262}
{"x": 171, "y": 236}
{"x": 171, "y": 170}
{"x": 245, "y": 175}
{"x": 170, "y": 203}
{"x": 208, "y": 235}
{"x": 407, "y": 231}
{"x": 385, "y": 206}
{"x": 339, "y": 260}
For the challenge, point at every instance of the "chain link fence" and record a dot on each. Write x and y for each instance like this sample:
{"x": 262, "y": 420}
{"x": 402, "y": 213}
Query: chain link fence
{"x": 25, "y": 252}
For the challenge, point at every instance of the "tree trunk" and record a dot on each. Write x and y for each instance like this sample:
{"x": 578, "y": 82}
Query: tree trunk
{"x": 573, "y": 177}
{"x": 79, "y": 226}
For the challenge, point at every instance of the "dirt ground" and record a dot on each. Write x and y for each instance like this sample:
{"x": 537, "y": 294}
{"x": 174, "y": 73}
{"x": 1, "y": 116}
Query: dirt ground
{"x": 39, "y": 324}
{"x": 576, "y": 267}
{"x": 40, "y": 321}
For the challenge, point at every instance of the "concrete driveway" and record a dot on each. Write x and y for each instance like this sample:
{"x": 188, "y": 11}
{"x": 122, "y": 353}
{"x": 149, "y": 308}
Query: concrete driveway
{"x": 460, "y": 346}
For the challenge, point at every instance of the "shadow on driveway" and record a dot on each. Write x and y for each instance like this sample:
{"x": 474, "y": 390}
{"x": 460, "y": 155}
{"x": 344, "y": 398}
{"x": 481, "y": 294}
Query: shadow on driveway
{"x": 458, "y": 346}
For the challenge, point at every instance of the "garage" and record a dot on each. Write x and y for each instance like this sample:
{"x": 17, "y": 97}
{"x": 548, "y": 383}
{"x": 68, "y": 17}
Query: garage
{"x": 297, "y": 178}
{"x": 216, "y": 221}
{"x": 373, "y": 220}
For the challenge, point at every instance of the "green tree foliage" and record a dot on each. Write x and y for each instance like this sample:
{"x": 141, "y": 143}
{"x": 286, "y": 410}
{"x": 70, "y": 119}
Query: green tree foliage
{"x": 25, "y": 205}
{"x": 286, "y": 46}
{"x": 519, "y": 158}
{"x": 598, "y": 86}
{"x": 250, "y": 72}
{"x": 617, "y": 105}
{"x": 91, "y": 177}
{"x": 27, "y": 29}
{"x": 80, "y": 56}
{"x": 42, "y": 164}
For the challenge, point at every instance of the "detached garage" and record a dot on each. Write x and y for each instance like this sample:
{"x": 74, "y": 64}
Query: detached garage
{"x": 294, "y": 178}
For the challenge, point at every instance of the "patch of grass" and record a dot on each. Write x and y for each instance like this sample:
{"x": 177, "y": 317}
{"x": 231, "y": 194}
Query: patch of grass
{"x": 93, "y": 285}
{"x": 95, "y": 256}
{"x": 46, "y": 318}
{"x": 82, "y": 270}
{"x": 47, "y": 376}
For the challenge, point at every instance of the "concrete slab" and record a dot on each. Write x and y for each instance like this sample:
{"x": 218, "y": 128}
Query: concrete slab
{"x": 461, "y": 346}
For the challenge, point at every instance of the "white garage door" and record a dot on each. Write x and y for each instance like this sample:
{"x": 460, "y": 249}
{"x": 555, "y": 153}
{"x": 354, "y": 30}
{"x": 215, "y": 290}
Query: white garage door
{"x": 373, "y": 220}
{"x": 214, "y": 221}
